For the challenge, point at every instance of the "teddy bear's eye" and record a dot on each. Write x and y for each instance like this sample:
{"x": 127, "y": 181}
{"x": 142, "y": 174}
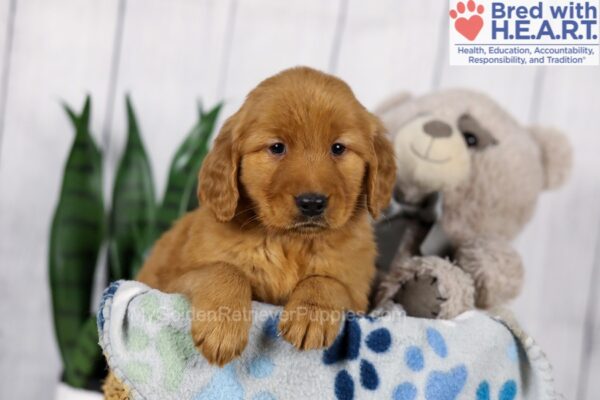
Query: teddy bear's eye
{"x": 476, "y": 136}
{"x": 471, "y": 139}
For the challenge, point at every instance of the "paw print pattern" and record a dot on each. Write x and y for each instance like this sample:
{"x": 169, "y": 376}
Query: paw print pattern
{"x": 172, "y": 345}
{"x": 270, "y": 330}
{"x": 512, "y": 351}
{"x": 471, "y": 26}
{"x": 508, "y": 391}
{"x": 439, "y": 385}
{"x": 347, "y": 348}
{"x": 225, "y": 383}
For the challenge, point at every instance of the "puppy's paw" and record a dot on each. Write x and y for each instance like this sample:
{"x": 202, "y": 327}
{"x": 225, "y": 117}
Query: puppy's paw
{"x": 220, "y": 340}
{"x": 310, "y": 327}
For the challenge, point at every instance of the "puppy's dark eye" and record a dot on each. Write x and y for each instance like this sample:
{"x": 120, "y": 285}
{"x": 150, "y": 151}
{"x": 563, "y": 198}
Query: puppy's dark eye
{"x": 471, "y": 139}
{"x": 338, "y": 149}
{"x": 277, "y": 148}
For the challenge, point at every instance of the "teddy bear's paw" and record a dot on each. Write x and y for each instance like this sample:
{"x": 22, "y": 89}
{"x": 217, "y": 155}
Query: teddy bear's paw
{"x": 496, "y": 269}
{"x": 420, "y": 297}
{"x": 438, "y": 289}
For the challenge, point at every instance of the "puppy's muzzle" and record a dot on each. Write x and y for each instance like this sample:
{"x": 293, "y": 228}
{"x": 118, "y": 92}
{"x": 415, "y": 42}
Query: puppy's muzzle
{"x": 311, "y": 204}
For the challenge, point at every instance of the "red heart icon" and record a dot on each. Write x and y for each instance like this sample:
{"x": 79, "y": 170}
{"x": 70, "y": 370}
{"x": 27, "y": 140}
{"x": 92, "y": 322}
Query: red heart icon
{"x": 469, "y": 28}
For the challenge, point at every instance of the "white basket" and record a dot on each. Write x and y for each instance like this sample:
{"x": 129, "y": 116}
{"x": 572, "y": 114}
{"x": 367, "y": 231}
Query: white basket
{"x": 66, "y": 392}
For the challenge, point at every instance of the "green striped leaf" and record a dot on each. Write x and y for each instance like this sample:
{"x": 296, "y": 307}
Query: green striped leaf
{"x": 180, "y": 193}
{"x": 133, "y": 204}
{"x": 211, "y": 122}
{"x": 86, "y": 359}
{"x": 76, "y": 235}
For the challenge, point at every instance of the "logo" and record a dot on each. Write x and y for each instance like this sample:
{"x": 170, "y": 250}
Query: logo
{"x": 524, "y": 32}
{"x": 471, "y": 26}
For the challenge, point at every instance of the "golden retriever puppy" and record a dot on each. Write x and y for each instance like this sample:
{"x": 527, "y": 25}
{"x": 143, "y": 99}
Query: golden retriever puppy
{"x": 285, "y": 198}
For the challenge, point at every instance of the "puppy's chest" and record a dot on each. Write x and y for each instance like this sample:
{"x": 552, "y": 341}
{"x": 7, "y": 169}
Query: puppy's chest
{"x": 275, "y": 266}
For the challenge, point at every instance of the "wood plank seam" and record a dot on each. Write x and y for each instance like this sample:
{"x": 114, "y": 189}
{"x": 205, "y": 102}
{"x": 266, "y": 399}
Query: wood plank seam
{"x": 226, "y": 56}
{"x": 114, "y": 75}
{"x": 587, "y": 341}
{"x": 108, "y": 168}
{"x": 8, "y": 43}
{"x": 442, "y": 51}
{"x": 338, "y": 36}
{"x": 536, "y": 97}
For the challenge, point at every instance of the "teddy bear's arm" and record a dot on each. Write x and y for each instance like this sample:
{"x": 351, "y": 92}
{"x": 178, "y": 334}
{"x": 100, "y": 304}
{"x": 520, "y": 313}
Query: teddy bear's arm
{"x": 496, "y": 269}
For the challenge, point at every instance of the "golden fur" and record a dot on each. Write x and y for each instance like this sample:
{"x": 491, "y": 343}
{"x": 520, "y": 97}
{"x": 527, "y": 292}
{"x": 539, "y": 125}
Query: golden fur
{"x": 247, "y": 242}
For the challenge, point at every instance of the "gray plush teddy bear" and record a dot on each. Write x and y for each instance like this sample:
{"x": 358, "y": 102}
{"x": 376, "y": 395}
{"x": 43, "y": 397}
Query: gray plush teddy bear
{"x": 469, "y": 176}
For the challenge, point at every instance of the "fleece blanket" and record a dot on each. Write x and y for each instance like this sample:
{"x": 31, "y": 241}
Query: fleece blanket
{"x": 145, "y": 337}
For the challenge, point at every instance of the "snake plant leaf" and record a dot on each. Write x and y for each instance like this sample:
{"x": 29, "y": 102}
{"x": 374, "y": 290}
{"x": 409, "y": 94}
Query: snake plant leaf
{"x": 210, "y": 120}
{"x": 133, "y": 203}
{"x": 142, "y": 245}
{"x": 76, "y": 235}
{"x": 86, "y": 358}
{"x": 180, "y": 194}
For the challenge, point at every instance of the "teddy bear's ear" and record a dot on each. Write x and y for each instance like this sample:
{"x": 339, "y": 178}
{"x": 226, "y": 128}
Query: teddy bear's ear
{"x": 392, "y": 102}
{"x": 557, "y": 155}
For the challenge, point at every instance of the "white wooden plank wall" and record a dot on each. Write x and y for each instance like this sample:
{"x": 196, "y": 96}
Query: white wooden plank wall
{"x": 270, "y": 35}
{"x": 378, "y": 55}
{"x": 178, "y": 48}
{"x": 7, "y": 10}
{"x": 567, "y": 234}
{"x": 59, "y": 51}
{"x": 167, "y": 55}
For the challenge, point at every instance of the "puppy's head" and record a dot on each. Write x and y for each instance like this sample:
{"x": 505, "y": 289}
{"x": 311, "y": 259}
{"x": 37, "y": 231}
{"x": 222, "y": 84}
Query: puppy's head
{"x": 303, "y": 154}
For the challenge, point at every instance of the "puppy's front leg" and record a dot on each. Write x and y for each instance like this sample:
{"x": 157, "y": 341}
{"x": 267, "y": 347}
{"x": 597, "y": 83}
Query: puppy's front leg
{"x": 312, "y": 315}
{"x": 221, "y": 299}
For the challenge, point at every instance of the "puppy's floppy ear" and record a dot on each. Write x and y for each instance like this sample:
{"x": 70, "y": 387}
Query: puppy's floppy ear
{"x": 218, "y": 177}
{"x": 557, "y": 155}
{"x": 381, "y": 174}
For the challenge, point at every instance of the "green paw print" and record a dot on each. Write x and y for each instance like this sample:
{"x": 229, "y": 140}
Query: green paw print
{"x": 173, "y": 345}
{"x": 174, "y": 348}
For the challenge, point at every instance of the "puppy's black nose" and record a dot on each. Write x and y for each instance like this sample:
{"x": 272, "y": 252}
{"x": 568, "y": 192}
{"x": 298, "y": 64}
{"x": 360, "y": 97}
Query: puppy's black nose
{"x": 311, "y": 204}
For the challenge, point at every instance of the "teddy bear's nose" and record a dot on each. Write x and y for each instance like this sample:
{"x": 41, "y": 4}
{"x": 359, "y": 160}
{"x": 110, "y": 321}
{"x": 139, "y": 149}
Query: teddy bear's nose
{"x": 437, "y": 129}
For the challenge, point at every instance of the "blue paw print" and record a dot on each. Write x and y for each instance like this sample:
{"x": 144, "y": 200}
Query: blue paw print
{"x": 512, "y": 351}
{"x": 439, "y": 385}
{"x": 270, "y": 330}
{"x": 225, "y": 383}
{"x": 508, "y": 391}
{"x": 347, "y": 348}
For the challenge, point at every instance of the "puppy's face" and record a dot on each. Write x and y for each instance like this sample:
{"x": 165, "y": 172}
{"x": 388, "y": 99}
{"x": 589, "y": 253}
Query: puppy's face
{"x": 304, "y": 165}
{"x": 305, "y": 154}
